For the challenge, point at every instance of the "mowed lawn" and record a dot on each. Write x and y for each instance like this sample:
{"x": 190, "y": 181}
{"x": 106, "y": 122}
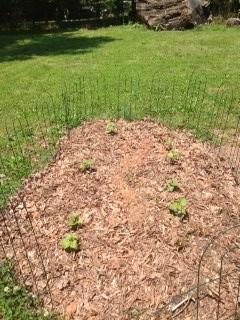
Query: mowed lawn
{"x": 31, "y": 63}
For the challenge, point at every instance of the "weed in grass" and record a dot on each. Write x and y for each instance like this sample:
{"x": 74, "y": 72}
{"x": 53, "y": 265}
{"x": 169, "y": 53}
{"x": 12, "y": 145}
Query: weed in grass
{"x": 173, "y": 156}
{"x": 55, "y": 132}
{"x": 15, "y": 301}
{"x": 136, "y": 25}
{"x": 178, "y": 208}
{"x": 5, "y": 190}
{"x": 3, "y": 178}
{"x": 18, "y": 164}
{"x": 172, "y": 185}
{"x": 86, "y": 166}
{"x": 75, "y": 221}
{"x": 111, "y": 128}
{"x": 70, "y": 243}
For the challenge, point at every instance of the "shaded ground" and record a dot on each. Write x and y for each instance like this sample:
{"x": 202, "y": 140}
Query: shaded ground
{"x": 27, "y": 46}
{"x": 135, "y": 256}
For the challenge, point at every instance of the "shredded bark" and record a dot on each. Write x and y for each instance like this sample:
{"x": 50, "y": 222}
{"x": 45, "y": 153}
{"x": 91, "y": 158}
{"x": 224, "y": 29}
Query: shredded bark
{"x": 135, "y": 256}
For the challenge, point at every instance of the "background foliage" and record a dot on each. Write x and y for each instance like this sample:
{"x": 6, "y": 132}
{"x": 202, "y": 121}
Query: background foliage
{"x": 13, "y": 12}
{"x": 225, "y": 7}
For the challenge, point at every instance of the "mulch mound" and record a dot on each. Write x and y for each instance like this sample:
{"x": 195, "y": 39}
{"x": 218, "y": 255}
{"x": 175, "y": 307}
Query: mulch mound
{"x": 135, "y": 255}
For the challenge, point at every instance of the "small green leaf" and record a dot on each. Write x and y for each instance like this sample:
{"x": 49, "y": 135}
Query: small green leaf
{"x": 86, "y": 166}
{"x": 70, "y": 243}
{"x": 173, "y": 156}
{"x": 75, "y": 221}
{"x": 182, "y": 202}
{"x": 178, "y": 208}
{"x": 111, "y": 128}
{"x": 172, "y": 185}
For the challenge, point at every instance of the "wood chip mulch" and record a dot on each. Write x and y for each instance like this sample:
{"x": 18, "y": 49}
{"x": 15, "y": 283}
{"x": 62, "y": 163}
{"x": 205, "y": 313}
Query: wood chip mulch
{"x": 135, "y": 255}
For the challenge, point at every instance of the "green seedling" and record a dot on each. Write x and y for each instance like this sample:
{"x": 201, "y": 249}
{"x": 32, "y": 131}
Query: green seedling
{"x": 178, "y": 208}
{"x": 75, "y": 221}
{"x": 86, "y": 166}
{"x": 172, "y": 185}
{"x": 70, "y": 243}
{"x": 173, "y": 156}
{"x": 168, "y": 144}
{"x": 111, "y": 128}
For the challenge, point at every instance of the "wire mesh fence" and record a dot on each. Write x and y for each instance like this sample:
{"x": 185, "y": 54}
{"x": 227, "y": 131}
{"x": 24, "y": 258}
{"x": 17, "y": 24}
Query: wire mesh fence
{"x": 216, "y": 292}
{"x": 31, "y": 141}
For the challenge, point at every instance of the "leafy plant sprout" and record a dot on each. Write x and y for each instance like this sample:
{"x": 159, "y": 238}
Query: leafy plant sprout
{"x": 75, "y": 221}
{"x": 168, "y": 144}
{"x": 111, "y": 128}
{"x": 178, "y": 208}
{"x": 173, "y": 156}
{"x": 70, "y": 243}
{"x": 172, "y": 185}
{"x": 86, "y": 166}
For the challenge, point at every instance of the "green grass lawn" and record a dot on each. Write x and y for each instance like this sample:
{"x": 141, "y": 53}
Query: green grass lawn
{"x": 31, "y": 63}
{"x": 51, "y": 81}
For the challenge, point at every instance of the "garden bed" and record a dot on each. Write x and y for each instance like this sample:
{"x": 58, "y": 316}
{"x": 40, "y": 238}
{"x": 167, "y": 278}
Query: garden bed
{"x": 135, "y": 253}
